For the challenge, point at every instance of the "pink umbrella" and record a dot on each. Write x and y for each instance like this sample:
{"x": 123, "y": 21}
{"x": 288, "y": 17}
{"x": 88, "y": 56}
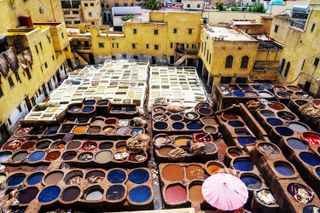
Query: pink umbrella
{"x": 224, "y": 191}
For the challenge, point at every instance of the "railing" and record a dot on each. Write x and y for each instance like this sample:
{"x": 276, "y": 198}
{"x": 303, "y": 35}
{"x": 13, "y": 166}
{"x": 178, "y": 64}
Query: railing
{"x": 298, "y": 23}
{"x": 266, "y": 66}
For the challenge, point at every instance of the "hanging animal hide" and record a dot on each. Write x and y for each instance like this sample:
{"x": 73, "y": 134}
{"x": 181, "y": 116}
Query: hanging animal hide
{"x": 3, "y": 66}
{"x": 11, "y": 59}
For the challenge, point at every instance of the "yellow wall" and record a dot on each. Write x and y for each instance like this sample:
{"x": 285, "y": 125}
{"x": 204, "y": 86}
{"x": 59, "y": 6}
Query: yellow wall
{"x": 10, "y": 10}
{"x": 108, "y": 4}
{"x": 283, "y": 28}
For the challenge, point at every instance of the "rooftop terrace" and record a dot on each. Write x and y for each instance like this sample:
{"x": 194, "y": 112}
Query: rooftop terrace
{"x": 227, "y": 34}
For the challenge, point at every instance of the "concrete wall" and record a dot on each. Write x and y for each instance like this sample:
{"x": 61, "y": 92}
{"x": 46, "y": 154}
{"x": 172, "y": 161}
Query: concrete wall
{"x": 216, "y": 17}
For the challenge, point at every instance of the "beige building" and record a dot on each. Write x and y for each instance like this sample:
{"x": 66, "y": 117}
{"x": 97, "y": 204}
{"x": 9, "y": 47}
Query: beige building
{"x": 193, "y": 4}
{"x": 82, "y": 11}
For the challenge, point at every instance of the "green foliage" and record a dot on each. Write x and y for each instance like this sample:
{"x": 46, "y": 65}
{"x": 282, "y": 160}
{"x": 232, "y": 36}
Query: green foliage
{"x": 152, "y": 4}
{"x": 235, "y": 9}
{"x": 257, "y": 8}
{"x": 127, "y": 17}
{"x": 219, "y": 6}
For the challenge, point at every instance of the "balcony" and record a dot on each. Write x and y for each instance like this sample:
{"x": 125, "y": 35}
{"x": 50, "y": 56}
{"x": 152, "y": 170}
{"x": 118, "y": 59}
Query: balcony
{"x": 266, "y": 66}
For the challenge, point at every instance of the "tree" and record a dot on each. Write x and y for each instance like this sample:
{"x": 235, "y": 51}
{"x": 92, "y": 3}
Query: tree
{"x": 219, "y": 6}
{"x": 257, "y": 8}
{"x": 127, "y": 17}
{"x": 152, "y": 4}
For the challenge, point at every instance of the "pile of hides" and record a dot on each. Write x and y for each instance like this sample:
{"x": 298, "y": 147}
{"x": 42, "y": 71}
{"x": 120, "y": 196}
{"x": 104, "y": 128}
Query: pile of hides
{"x": 311, "y": 113}
{"x": 25, "y": 58}
{"x": 138, "y": 143}
{"x": 177, "y": 154}
{"x": 198, "y": 149}
{"x": 8, "y": 59}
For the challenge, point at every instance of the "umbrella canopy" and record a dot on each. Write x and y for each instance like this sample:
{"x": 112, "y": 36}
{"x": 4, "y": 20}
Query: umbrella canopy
{"x": 224, "y": 191}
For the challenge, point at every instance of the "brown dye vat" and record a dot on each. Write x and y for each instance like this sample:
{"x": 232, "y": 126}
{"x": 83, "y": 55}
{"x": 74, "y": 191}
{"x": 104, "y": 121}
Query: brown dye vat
{"x": 53, "y": 178}
{"x": 51, "y": 156}
{"x": 111, "y": 121}
{"x": 106, "y": 145}
{"x": 194, "y": 172}
{"x": 28, "y": 145}
{"x": 165, "y": 150}
{"x": 234, "y": 152}
{"x": 70, "y": 194}
{"x": 12, "y": 145}
{"x": 94, "y": 129}
{"x": 137, "y": 157}
{"x": 26, "y": 195}
{"x": 73, "y": 177}
{"x": 73, "y": 145}
{"x": 79, "y": 129}
{"x": 195, "y": 194}
{"x": 276, "y": 105}
{"x": 160, "y": 140}
{"x": 20, "y": 156}
{"x": 44, "y": 144}
{"x": 208, "y": 121}
{"x": 173, "y": 172}
{"x": 123, "y": 131}
{"x": 109, "y": 129}
{"x": 103, "y": 157}
{"x": 95, "y": 176}
{"x": 69, "y": 155}
{"x": 227, "y": 116}
{"x": 98, "y": 122}
{"x": 293, "y": 88}
{"x": 58, "y": 145}
{"x": 286, "y": 115}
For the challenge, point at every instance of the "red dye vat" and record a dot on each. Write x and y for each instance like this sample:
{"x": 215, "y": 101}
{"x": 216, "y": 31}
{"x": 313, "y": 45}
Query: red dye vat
{"x": 311, "y": 137}
{"x": 203, "y": 138}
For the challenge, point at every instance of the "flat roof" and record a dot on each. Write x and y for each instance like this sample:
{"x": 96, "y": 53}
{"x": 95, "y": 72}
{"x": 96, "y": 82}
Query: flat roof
{"x": 227, "y": 34}
{"x": 245, "y": 23}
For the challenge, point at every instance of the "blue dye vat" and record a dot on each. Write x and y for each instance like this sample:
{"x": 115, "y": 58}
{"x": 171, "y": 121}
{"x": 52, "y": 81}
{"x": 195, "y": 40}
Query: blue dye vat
{"x": 87, "y": 109}
{"x": 266, "y": 85}
{"x": 251, "y": 182}
{"x": 140, "y": 194}
{"x": 284, "y": 170}
{"x": 238, "y": 93}
{"x": 116, "y": 176}
{"x": 16, "y": 179}
{"x": 138, "y": 176}
{"x": 274, "y": 121}
{"x": 267, "y": 113}
{"x": 89, "y": 102}
{"x": 318, "y": 171}
{"x": 297, "y": 144}
{"x": 130, "y": 109}
{"x": 4, "y": 157}
{"x": 116, "y": 109}
{"x": 35, "y": 178}
{"x": 49, "y": 194}
{"x": 309, "y": 158}
{"x": 52, "y": 130}
{"x": 178, "y": 125}
{"x": 311, "y": 209}
{"x": 136, "y": 131}
{"x": 194, "y": 125}
{"x": 36, "y": 156}
{"x": 243, "y": 165}
{"x": 246, "y": 140}
{"x": 236, "y": 123}
{"x": 284, "y": 131}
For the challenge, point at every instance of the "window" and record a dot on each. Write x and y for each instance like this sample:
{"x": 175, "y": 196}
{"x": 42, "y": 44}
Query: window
{"x": 147, "y": 46}
{"x": 9, "y": 122}
{"x": 46, "y": 65}
{"x": 198, "y": 5}
{"x": 90, "y": 14}
{"x": 175, "y": 30}
{"x": 102, "y": 5}
{"x": 116, "y": 4}
{"x": 53, "y": 57}
{"x": 11, "y": 83}
{"x": 49, "y": 39}
{"x": 287, "y": 69}
{"x": 107, "y": 6}
{"x": 28, "y": 73}
{"x": 189, "y": 31}
{"x": 76, "y": 12}
{"x": 171, "y": 45}
{"x": 244, "y": 62}
{"x": 112, "y": 44}
{"x": 156, "y": 46}
{"x": 188, "y": 5}
{"x": 86, "y": 4}
{"x": 101, "y": 45}
{"x": 210, "y": 58}
{"x": 36, "y": 49}
{"x": 283, "y": 62}
{"x": 125, "y": 4}
{"x": 1, "y": 92}
{"x": 19, "y": 108}
{"x": 66, "y": 12}
{"x": 62, "y": 35}
{"x": 155, "y": 32}
{"x": 303, "y": 64}
{"x": 312, "y": 27}
{"x": 77, "y": 22}
{"x": 92, "y": 23}
{"x": 91, "y": 4}
{"x": 316, "y": 62}
{"x": 40, "y": 44}
{"x": 124, "y": 56}
{"x": 131, "y": 4}
{"x": 134, "y": 31}
{"x": 68, "y": 22}
{"x": 117, "y": 44}
{"x": 229, "y": 61}
{"x": 276, "y": 28}
{"x": 133, "y": 46}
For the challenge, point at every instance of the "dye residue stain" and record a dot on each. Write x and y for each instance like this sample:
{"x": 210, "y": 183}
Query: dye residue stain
{"x": 116, "y": 176}
{"x": 49, "y": 194}
{"x": 194, "y": 172}
{"x": 138, "y": 176}
{"x": 243, "y": 165}
{"x": 195, "y": 194}
{"x": 140, "y": 194}
{"x": 175, "y": 194}
{"x": 172, "y": 172}
{"x": 115, "y": 192}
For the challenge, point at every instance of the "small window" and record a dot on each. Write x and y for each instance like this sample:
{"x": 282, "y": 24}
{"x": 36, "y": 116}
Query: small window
{"x": 312, "y": 27}
{"x": 286, "y": 71}
{"x": 101, "y": 45}
{"x": 62, "y": 35}
{"x": 91, "y": 4}
{"x": 117, "y": 44}
{"x": 66, "y": 12}
{"x": 175, "y": 30}
{"x": 36, "y": 49}
{"x": 92, "y": 23}
{"x": 112, "y": 44}
{"x": 19, "y": 108}
{"x": 86, "y": 4}
{"x": 1, "y": 92}
{"x": 244, "y": 62}
{"x": 134, "y": 31}
{"x": 53, "y": 57}
{"x": 116, "y": 4}
{"x": 102, "y": 5}
{"x": 124, "y": 56}
{"x": 198, "y": 5}
{"x": 303, "y": 64}
{"x": 49, "y": 39}
{"x": 188, "y": 5}
{"x": 276, "y": 28}
{"x": 316, "y": 62}
{"x": 40, "y": 44}
{"x": 90, "y": 14}
{"x": 133, "y": 46}
{"x": 156, "y": 46}
{"x": 28, "y": 73}
{"x": 125, "y": 4}
{"x": 171, "y": 45}
{"x": 77, "y": 22}
{"x": 189, "y": 31}
{"x": 229, "y": 61}
{"x": 107, "y": 6}
{"x": 147, "y": 46}
{"x": 11, "y": 83}
{"x": 155, "y": 32}
{"x": 9, "y": 122}
{"x": 76, "y": 12}
{"x": 131, "y": 4}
